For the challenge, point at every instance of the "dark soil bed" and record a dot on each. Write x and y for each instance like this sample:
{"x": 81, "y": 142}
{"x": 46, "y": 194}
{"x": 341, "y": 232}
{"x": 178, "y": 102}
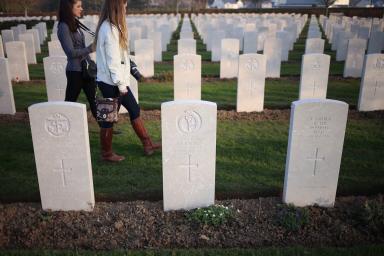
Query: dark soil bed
{"x": 144, "y": 224}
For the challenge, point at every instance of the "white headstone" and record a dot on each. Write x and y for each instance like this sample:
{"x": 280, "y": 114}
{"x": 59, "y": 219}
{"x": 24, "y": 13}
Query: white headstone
{"x": 187, "y": 77}
{"x": 36, "y": 38}
{"x": 342, "y": 45}
{"x": 355, "y": 57}
{"x": 16, "y": 33}
{"x": 363, "y": 33}
{"x": 372, "y": 84}
{"x": 62, "y": 155}
{"x": 229, "y": 64}
{"x": 314, "y": 76}
{"x": 186, "y": 46}
{"x": 157, "y": 46}
{"x": 55, "y": 77}
{"x": 144, "y": 55}
{"x": 217, "y": 38}
{"x": 250, "y": 42}
{"x": 27, "y": 38}
{"x": 315, "y": 145}
{"x": 134, "y": 34}
{"x": 251, "y": 83}
{"x": 376, "y": 42}
{"x": 189, "y": 153}
{"x": 7, "y": 102}
{"x": 7, "y": 36}
{"x": 285, "y": 38}
{"x": 272, "y": 50}
{"x": 165, "y": 35}
{"x": 314, "y": 45}
{"x": 1, "y": 48}
{"x": 22, "y": 28}
{"x": 17, "y": 60}
{"x": 55, "y": 49}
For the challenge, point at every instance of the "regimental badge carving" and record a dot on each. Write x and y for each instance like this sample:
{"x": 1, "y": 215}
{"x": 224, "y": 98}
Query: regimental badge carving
{"x": 57, "y": 68}
{"x": 187, "y": 65}
{"x": 380, "y": 63}
{"x": 189, "y": 122}
{"x": 316, "y": 65}
{"x": 232, "y": 56}
{"x": 252, "y": 64}
{"x": 57, "y": 125}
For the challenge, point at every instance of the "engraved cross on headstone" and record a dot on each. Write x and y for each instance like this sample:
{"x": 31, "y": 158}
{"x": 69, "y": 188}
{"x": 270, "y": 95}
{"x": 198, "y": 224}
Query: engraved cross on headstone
{"x": 377, "y": 86}
{"x": 63, "y": 171}
{"x": 253, "y": 87}
{"x": 60, "y": 90}
{"x": 314, "y": 87}
{"x": 190, "y": 166}
{"x": 189, "y": 87}
{"x": 316, "y": 159}
{"x": 354, "y": 63}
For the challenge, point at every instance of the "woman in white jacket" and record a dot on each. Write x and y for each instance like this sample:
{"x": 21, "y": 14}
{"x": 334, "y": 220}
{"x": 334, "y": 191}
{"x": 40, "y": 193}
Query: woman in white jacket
{"x": 113, "y": 75}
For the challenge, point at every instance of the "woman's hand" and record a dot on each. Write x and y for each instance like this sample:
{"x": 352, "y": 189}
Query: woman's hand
{"x": 92, "y": 47}
{"x": 123, "y": 90}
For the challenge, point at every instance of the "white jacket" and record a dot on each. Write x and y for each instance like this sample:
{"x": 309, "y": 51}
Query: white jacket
{"x": 113, "y": 65}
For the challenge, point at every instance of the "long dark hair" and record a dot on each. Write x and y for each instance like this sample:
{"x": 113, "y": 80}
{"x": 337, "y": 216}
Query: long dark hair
{"x": 65, "y": 14}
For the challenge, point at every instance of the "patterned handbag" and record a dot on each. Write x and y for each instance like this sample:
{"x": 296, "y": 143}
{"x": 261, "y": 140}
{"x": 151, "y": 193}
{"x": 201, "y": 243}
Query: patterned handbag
{"x": 107, "y": 109}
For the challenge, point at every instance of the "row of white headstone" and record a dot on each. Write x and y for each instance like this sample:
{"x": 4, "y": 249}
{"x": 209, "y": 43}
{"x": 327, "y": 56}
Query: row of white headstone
{"x": 351, "y": 38}
{"x": 250, "y": 85}
{"x": 20, "y": 46}
{"x": 27, "y": 18}
{"x": 252, "y": 71}
{"x": 251, "y": 31}
{"x": 188, "y": 154}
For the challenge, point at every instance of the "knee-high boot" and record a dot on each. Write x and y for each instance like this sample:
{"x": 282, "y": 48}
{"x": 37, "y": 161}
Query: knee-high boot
{"x": 149, "y": 146}
{"x": 107, "y": 154}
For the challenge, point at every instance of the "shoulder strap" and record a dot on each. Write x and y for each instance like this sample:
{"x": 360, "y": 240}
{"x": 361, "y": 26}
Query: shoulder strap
{"x": 85, "y": 28}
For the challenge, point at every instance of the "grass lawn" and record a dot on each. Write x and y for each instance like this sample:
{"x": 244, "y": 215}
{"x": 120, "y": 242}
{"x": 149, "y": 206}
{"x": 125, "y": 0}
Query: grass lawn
{"x": 250, "y": 155}
{"x": 278, "y": 93}
{"x": 250, "y": 161}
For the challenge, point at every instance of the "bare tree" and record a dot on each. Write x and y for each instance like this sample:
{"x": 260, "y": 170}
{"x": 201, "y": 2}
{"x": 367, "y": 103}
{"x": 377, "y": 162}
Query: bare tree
{"x": 256, "y": 2}
{"x": 8, "y": 6}
{"x": 26, "y": 5}
{"x": 327, "y": 3}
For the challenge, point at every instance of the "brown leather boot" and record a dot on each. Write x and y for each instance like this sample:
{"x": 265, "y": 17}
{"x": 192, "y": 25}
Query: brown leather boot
{"x": 106, "y": 146}
{"x": 149, "y": 146}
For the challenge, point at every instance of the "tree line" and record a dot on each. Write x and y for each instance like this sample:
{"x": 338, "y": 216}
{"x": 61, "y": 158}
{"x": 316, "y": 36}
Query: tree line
{"x": 50, "y": 6}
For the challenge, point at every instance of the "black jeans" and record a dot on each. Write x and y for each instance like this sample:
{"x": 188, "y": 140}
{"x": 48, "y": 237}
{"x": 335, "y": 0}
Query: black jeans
{"x": 76, "y": 82}
{"x": 128, "y": 101}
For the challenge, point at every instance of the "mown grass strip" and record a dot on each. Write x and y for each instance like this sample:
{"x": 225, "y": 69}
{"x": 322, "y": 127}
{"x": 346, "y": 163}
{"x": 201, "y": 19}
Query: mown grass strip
{"x": 250, "y": 161}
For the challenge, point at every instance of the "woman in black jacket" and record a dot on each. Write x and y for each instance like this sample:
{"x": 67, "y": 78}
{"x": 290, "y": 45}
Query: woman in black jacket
{"x": 73, "y": 42}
